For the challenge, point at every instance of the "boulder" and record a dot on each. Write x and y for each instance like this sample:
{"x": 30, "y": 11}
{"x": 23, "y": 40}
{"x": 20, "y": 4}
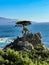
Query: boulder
{"x": 25, "y": 45}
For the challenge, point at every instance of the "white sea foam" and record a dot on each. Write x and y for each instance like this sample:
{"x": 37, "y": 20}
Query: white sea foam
{"x": 1, "y": 48}
{"x": 5, "y": 40}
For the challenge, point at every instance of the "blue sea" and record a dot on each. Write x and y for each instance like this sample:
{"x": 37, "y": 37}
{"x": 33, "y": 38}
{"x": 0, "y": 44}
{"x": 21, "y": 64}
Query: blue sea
{"x": 9, "y": 32}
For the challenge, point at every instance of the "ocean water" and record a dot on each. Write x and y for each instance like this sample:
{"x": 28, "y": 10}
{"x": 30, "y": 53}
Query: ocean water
{"x": 9, "y": 32}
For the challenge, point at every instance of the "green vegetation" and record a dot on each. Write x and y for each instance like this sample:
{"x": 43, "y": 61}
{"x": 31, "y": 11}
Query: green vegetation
{"x": 37, "y": 56}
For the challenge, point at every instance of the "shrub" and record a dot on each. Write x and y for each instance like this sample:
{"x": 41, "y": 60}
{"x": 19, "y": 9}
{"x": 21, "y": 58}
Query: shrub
{"x": 33, "y": 57}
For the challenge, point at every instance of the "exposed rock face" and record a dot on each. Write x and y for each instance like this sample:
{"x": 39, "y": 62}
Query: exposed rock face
{"x": 25, "y": 45}
{"x": 29, "y": 43}
{"x": 34, "y": 38}
{"x": 45, "y": 47}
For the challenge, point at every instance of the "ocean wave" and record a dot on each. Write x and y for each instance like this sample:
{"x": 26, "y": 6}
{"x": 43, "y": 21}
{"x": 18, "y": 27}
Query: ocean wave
{"x": 1, "y": 48}
{"x": 5, "y": 40}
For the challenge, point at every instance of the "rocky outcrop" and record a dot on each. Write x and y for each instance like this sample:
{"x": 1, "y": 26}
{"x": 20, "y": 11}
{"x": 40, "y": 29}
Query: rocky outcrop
{"x": 25, "y": 45}
{"x": 34, "y": 38}
{"x": 30, "y": 41}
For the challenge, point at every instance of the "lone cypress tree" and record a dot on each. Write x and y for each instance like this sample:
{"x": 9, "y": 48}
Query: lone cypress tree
{"x": 23, "y": 24}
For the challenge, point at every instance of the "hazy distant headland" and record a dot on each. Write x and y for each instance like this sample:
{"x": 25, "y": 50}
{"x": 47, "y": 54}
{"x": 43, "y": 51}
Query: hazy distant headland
{"x": 7, "y": 21}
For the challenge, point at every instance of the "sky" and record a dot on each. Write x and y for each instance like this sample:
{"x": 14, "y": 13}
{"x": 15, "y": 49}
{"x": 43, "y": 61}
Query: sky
{"x": 34, "y": 10}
